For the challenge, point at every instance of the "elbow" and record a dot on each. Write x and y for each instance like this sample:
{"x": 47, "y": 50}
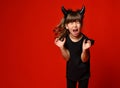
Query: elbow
{"x": 66, "y": 58}
{"x": 85, "y": 56}
{"x": 85, "y": 59}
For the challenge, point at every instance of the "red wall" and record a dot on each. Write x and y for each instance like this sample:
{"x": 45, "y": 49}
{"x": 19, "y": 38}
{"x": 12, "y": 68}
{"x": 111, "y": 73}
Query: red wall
{"x": 28, "y": 56}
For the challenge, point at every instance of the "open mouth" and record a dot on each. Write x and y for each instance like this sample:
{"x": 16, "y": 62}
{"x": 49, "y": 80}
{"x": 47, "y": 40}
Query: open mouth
{"x": 75, "y": 30}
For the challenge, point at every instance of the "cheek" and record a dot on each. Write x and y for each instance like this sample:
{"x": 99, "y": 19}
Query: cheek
{"x": 79, "y": 25}
{"x": 70, "y": 30}
{"x": 68, "y": 27}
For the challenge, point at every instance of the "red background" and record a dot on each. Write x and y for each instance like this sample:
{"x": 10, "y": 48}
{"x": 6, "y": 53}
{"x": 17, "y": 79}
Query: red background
{"x": 28, "y": 56}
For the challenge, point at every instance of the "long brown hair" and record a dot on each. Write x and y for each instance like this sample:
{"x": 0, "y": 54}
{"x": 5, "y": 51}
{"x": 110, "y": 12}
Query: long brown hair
{"x": 69, "y": 16}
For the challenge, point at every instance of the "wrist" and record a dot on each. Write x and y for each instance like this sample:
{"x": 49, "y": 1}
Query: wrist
{"x": 62, "y": 47}
{"x": 84, "y": 50}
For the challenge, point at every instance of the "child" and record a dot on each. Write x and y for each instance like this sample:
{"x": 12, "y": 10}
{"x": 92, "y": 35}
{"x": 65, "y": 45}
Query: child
{"x": 74, "y": 46}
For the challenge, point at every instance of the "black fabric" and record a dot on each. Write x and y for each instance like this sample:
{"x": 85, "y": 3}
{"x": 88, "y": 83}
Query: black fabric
{"x": 75, "y": 68}
{"x": 81, "y": 83}
{"x": 71, "y": 83}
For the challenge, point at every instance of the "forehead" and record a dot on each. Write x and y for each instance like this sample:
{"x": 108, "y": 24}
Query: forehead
{"x": 73, "y": 17}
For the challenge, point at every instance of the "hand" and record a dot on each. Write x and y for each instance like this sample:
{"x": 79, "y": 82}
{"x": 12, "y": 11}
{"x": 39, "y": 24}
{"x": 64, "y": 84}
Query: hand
{"x": 86, "y": 44}
{"x": 60, "y": 43}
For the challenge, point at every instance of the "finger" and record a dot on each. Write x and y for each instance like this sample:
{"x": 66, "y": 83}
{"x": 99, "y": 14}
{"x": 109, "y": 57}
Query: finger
{"x": 56, "y": 40}
{"x": 64, "y": 39}
{"x": 88, "y": 41}
{"x": 84, "y": 41}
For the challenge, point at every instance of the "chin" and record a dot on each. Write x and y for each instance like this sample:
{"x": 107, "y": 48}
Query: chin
{"x": 75, "y": 35}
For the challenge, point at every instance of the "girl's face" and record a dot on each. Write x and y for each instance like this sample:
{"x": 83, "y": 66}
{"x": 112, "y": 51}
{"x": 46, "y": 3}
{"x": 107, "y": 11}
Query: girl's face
{"x": 74, "y": 28}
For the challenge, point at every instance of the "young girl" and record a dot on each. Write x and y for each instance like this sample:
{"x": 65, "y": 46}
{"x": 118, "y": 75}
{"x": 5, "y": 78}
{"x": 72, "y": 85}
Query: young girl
{"x": 74, "y": 46}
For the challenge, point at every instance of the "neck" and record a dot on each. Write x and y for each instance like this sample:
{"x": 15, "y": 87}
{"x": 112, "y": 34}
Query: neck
{"x": 75, "y": 38}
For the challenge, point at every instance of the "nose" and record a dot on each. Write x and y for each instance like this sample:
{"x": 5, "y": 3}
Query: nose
{"x": 74, "y": 24}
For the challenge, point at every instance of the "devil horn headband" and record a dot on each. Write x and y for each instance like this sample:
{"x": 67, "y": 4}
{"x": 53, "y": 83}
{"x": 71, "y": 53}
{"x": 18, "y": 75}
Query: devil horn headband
{"x": 65, "y": 12}
{"x": 82, "y": 11}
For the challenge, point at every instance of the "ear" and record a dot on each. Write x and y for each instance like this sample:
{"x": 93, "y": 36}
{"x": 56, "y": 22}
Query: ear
{"x": 66, "y": 26}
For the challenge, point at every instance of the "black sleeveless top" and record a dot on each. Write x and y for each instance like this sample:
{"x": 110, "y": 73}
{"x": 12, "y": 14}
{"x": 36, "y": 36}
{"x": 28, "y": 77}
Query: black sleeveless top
{"x": 75, "y": 68}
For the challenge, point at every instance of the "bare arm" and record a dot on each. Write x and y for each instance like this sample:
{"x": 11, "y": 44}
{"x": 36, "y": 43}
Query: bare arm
{"x": 85, "y": 55}
{"x": 64, "y": 51}
{"x": 85, "y": 51}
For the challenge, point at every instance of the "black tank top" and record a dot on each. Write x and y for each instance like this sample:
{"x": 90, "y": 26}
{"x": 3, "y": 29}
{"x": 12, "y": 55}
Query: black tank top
{"x": 75, "y": 68}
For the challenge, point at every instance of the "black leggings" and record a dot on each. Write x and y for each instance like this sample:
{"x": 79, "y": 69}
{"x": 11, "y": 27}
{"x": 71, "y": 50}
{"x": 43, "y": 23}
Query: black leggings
{"x": 81, "y": 83}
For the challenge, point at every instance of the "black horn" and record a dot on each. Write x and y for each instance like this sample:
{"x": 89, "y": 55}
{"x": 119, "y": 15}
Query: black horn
{"x": 82, "y": 11}
{"x": 64, "y": 11}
